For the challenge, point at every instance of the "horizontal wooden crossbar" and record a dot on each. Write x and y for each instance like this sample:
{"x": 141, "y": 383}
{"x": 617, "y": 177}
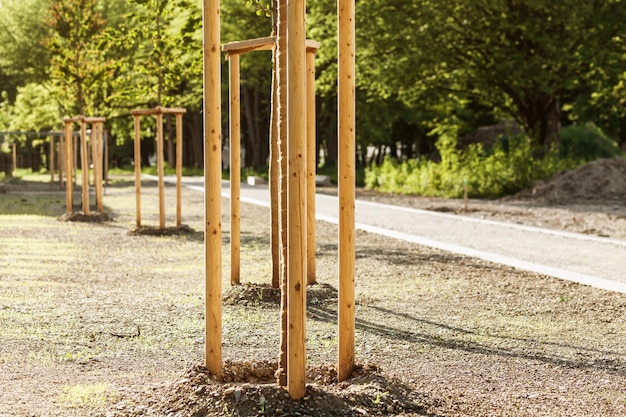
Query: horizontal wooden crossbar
{"x": 81, "y": 119}
{"x": 260, "y": 44}
{"x": 158, "y": 110}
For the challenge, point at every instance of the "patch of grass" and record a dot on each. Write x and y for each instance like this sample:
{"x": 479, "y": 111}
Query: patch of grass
{"x": 38, "y": 205}
{"x": 87, "y": 395}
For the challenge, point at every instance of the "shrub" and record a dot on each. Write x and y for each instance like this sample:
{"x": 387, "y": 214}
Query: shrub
{"x": 511, "y": 166}
{"x": 586, "y": 142}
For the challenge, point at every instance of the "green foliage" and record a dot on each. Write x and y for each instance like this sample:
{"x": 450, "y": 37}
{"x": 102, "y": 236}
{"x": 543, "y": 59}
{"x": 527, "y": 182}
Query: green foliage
{"x": 34, "y": 110}
{"x": 586, "y": 142}
{"x": 510, "y": 167}
{"x": 525, "y": 58}
{"x": 23, "y": 57}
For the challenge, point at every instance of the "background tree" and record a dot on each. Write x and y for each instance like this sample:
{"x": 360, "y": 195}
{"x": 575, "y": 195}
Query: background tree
{"x": 76, "y": 61}
{"x": 23, "y": 57}
{"x": 521, "y": 57}
{"x": 33, "y": 111}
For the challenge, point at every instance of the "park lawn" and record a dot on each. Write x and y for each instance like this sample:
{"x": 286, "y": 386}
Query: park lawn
{"x": 94, "y": 320}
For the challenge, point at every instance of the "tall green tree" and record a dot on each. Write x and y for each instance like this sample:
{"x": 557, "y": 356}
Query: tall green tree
{"x": 519, "y": 56}
{"x": 78, "y": 64}
{"x": 23, "y": 57}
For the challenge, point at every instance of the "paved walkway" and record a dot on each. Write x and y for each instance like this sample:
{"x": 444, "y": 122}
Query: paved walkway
{"x": 586, "y": 259}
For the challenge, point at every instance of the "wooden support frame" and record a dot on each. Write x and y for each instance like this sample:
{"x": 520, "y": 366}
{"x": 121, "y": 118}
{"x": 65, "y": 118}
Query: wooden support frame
{"x": 70, "y": 160}
{"x": 297, "y": 171}
{"x": 158, "y": 112}
{"x": 234, "y": 51}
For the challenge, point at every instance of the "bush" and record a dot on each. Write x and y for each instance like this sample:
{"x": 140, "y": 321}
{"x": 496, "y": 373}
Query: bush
{"x": 586, "y": 142}
{"x": 511, "y": 166}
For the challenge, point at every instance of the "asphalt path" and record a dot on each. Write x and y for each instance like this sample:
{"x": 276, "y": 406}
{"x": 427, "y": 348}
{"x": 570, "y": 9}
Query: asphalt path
{"x": 581, "y": 258}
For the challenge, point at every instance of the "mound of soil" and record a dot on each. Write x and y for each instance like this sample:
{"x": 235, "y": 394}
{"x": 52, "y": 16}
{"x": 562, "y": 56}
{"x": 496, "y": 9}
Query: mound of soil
{"x": 600, "y": 180}
{"x": 259, "y": 294}
{"x": 93, "y": 217}
{"x": 183, "y": 229}
{"x": 248, "y": 389}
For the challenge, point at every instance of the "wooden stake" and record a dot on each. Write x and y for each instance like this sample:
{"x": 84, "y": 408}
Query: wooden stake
{"x": 94, "y": 155}
{"x": 68, "y": 167}
{"x": 84, "y": 165}
{"x": 213, "y": 185}
{"x": 137, "y": 169}
{"x": 310, "y": 164}
{"x": 75, "y": 158}
{"x": 235, "y": 169}
{"x": 159, "y": 126}
{"x": 97, "y": 127}
{"x": 296, "y": 217}
{"x": 51, "y": 159}
{"x": 179, "y": 167}
{"x": 106, "y": 156}
{"x": 347, "y": 138}
{"x": 61, "y": 159}
{"x": 14, "y": 158}
{"x": 465, "y": 196}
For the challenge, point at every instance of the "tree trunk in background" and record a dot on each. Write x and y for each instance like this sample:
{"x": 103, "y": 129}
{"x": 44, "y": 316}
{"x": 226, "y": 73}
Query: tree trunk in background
{"x": 257, "y": 148}
{"x": 540, "y": 116}
{"x": 196, "y": 149}
{"x": 328, "y": 119}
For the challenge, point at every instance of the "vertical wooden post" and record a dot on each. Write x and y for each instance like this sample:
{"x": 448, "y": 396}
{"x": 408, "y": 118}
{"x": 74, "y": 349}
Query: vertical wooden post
{"x": 14, "y": 158}
{"x": 179, "y": 167}
{"x": 235, "y": 168}
{"x": 69, "y": 164}
{"x": 61, "y": 159}
{"x": 213, "y": 185}
{"x": 296, "y": 217}
{"x": 75, "y": 158}
{"x": 347, "y": 138}
{"x": 105, "y": 138}
{"x": 51, "y": 159}
{"x": 310, "y": 164}
{"x": 138, "y": 169}
{"x": 159, "y": 126}
{"x": 97, "y": 164}
{"x": 94, "y": 152}
{"x": 84, "y": 165}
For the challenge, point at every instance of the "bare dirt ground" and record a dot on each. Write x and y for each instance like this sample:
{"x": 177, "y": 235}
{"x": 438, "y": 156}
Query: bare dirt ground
{"x": 97, "y": 321}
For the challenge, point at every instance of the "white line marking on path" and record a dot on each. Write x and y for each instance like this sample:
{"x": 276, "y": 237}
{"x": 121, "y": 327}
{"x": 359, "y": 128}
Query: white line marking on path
{"x": 462, "y": 250}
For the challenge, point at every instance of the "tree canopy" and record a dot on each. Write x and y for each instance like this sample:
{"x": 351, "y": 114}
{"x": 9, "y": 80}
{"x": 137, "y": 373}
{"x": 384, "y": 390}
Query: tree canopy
{"x": 424, "y": 67}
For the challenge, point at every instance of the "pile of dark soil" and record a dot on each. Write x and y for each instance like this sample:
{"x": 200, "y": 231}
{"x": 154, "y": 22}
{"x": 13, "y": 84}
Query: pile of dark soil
{"x": 248, "y": 389}
{"x": 93, "y": 217}
{"x": 183, "y": 229}
{"x": 603, "y": 179}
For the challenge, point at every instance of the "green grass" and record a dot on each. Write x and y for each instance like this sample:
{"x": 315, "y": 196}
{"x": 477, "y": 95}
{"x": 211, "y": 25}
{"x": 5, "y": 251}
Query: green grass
{"x": 87, "y": 395}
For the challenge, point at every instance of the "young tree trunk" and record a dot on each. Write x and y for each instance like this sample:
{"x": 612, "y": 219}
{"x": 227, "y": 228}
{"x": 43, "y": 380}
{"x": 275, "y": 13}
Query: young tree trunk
{"x": 281, "y": 48}
{"x": 274, "y": 164}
